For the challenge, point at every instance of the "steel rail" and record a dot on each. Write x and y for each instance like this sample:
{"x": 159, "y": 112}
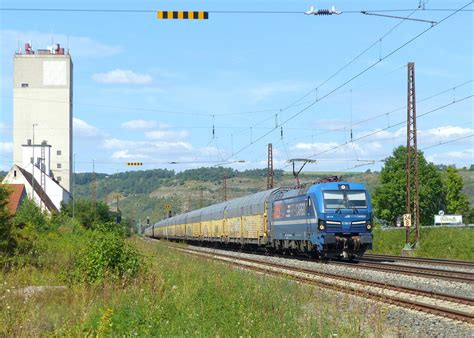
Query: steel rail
{"x": 439, "y": 261}
{"x": 451, "y": 275}
{"x": 406, "y": 303}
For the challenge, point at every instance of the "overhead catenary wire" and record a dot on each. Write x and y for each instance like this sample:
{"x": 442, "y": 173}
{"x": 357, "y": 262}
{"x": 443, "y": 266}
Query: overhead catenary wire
{"x": 393, "y": 125}
{"x": 450, "y": 141}
{"x": 354, "y": 59}
{"x": 138, "y": 11}
{"x": 357, "y": 75}
{"x": 384, "y": 129}
{"x": 142, "y": 108}
{"x": 388, "y": 113}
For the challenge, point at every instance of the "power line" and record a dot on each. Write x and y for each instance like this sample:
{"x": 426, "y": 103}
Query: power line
{"x": 142, "y": 109}
{"x": 394, "y": 125}
{"x": 446, "y": 142}
{"x": 386, "y": 114}
{"x": 355, "y": 76}
{"x": 398, "y": 17}
{"x": 138, "y": 11}
{"x": 354, "y": 59}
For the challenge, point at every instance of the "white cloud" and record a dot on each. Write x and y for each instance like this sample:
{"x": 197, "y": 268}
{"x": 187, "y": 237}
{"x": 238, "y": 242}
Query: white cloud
{"x": 144, "y": 124}
{"x": 166, "y": 135}
{"x": 125, "y": 155}
{"x": 449, "y": 131}
{"x": 122, "y": 76}
{"x": 83, "y": 129}
{"x": 80, "y": 46}
{"x": 461, "y": 158}
{"x": 139, "y": 124}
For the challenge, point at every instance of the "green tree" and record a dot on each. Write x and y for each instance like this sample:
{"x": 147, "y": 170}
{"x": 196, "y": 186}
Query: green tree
{"x": 456, "y": 200}
{"x": 86, "y": 214}
{"x": 390, "y": 198}
{"x": 5, "y": 221}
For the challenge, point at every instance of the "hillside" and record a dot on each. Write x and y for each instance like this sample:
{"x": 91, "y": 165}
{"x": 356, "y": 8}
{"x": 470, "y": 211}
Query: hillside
{"x": 144, "y": 193}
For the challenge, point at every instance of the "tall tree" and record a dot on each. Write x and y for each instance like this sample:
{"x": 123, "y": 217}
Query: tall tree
{"x": 5, "y": 220}
{"x": 390, "y": 197}
{"x": 456, "y": 200}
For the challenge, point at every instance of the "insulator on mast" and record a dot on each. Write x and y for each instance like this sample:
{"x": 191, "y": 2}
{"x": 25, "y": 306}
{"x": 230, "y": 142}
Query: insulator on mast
{"x": 213, "y": 129}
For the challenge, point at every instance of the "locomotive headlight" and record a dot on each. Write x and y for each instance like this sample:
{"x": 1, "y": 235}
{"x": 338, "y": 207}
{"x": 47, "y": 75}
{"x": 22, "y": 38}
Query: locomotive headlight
{"x": 369, "y": 226}
{"x": 322, "y": 226}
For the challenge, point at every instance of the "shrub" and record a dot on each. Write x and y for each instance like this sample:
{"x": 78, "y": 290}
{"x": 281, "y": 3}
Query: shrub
{"x": 30, "y": 214}
{"x": 105, "y": 255}
{"x": 87, "y": 214}
{"x": 6, "y": 241}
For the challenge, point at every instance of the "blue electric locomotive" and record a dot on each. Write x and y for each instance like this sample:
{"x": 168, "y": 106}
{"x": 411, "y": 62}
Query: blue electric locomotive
{"x": 327, "y": 219}
{"x": 332, "y": 219}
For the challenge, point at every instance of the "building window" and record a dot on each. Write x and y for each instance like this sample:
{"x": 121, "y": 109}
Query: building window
{"x": 58, "y": 152}
{"x": 58, "y": 165}
{"x": 24, "y": 85}
{"x": 59, "y": 178}
{"x": 14, "y": 173}
{"x": 32, "y": 160}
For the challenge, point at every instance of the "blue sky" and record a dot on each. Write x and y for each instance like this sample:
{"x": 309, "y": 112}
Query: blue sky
{"x": 148, "y": 90}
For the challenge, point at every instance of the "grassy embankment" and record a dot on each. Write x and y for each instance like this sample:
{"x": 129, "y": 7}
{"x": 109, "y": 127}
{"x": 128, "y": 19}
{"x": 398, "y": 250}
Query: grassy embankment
{"x": 175, "y": 295}
{"x": 450, "y": 243}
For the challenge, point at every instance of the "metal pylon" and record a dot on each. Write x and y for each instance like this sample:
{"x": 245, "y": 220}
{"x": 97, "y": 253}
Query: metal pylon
{"x": 412, "y": 179}
{"x": 270, "y": 167}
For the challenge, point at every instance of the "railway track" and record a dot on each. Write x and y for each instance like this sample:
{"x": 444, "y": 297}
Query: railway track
{"x": 440, "y": 304}
{"x": 451, "y": 275}
{"x": 433, "y": 261}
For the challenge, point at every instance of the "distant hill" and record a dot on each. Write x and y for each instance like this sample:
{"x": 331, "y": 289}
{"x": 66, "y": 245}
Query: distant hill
{"x": 144, "y": 193}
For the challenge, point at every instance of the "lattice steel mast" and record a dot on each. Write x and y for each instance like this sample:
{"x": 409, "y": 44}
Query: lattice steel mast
{"x": 270, "y": 167}
{"x": 412, "y": 179}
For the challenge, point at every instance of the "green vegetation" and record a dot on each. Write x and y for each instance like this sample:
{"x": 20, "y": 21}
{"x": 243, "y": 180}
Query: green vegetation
{"x": 105, "y": 256}
{"x": 5, "y": 221}
{"x": 390, "y": 198}
{"x": 87, "y": 278}
{"x": 443, "y": 242}
{"x": 176, "y": 295}
{"x": 142, "y": 194}
{"x": 439, "y": 190}
{"x": 456, "y": 200}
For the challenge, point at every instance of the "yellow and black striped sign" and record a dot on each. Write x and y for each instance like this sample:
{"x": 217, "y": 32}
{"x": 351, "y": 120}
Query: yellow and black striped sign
{"x": 134, "y": 163}
{"x": 182, "y": 15}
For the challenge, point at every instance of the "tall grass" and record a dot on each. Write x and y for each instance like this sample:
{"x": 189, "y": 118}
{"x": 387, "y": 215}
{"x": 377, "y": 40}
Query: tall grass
{"x": 452, "y": 243}
{"x": 177, "y": 295}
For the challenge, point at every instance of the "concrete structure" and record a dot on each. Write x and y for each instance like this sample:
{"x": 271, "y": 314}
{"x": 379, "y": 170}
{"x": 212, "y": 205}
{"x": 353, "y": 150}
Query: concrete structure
{"x": 42, "y": 111}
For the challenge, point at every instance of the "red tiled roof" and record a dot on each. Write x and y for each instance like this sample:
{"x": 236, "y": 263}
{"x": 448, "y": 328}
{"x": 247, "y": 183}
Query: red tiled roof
{"x": 16, "y": 196}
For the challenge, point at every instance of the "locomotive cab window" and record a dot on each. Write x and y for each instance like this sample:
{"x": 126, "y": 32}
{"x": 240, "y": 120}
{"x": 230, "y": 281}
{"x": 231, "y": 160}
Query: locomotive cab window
{"x": 344, "y": 199}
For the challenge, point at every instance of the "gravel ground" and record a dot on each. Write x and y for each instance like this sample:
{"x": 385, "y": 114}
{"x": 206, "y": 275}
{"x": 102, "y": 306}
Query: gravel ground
{"x": 394, "y": 321}
{"x": 397, "y": 320}
{"x": 423, "y": 283}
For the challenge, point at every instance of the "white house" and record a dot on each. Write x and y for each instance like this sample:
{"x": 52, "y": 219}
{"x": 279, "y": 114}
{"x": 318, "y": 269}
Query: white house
{"x": 36, "y": 176}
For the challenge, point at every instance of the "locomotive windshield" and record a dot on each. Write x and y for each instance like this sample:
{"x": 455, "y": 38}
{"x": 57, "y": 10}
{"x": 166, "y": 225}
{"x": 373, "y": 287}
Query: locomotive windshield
{"x": 344, "y": 199}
